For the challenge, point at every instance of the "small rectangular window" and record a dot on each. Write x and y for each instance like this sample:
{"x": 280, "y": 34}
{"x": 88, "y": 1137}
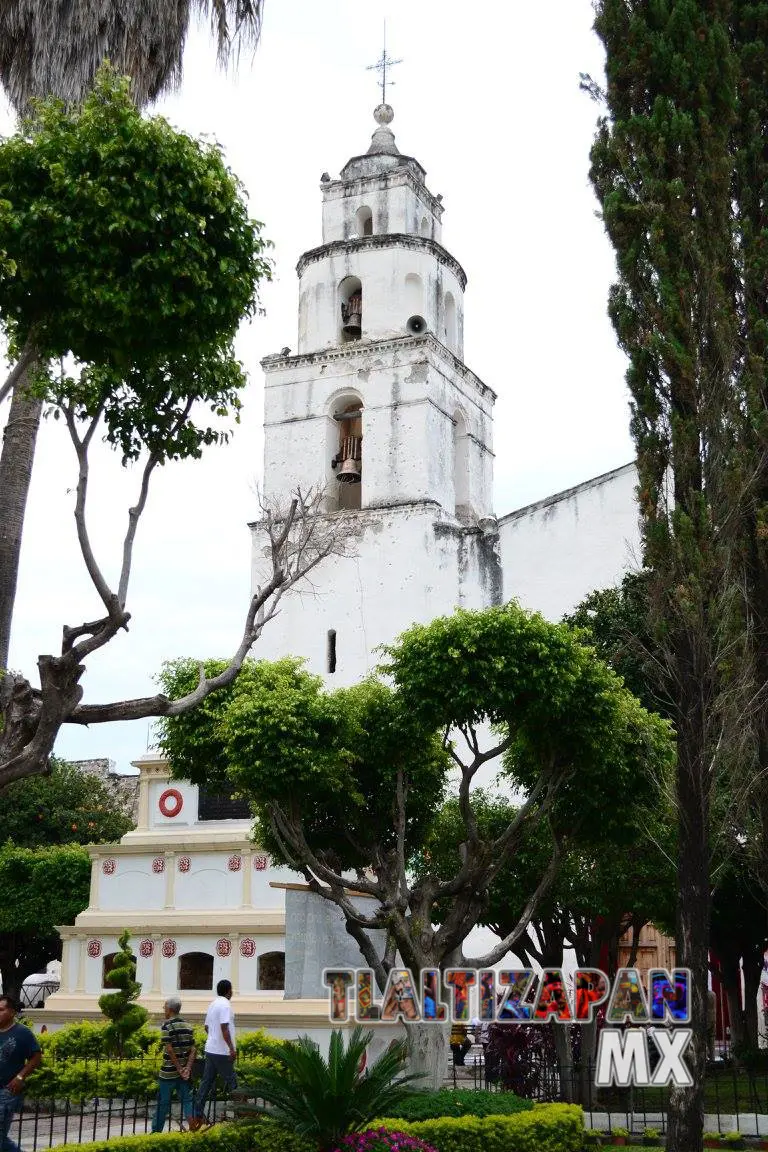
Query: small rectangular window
{"x": 331, "y": 649}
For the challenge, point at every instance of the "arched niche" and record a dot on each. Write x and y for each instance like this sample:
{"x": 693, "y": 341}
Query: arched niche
{"x": 272, "y": 971}
{"x": 460, "y": 464}
{"x": 345, "y": 452}
{"x": 414, "y": 295}
{"x": 350, "y": 309}
{"x": 450, "y": 321}
{"x": 196, "y": 972}
{"x": 424, "y": 228}
{"x": 107, "y": 965}
{"x": 364, "y": 221}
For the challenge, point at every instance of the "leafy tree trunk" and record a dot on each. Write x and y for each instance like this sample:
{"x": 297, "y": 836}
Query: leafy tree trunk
{"x": 16, "y": 459}
{"x": 428, "y": 1052}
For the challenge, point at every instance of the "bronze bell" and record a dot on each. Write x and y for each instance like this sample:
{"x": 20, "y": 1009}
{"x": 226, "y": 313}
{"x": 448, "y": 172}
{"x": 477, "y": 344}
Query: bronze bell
{"x": 352, "y": 314}
{"x": 348, "y": 472}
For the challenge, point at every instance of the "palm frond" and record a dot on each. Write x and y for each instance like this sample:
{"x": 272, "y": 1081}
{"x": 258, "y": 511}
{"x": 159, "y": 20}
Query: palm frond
{"x": 55, "y": 47}
{"x": 326, "y": 1099}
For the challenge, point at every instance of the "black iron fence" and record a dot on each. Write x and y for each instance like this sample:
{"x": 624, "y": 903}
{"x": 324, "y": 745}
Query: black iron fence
{"x": 735, "y": 1096}
{"x": 736, "y": 1100}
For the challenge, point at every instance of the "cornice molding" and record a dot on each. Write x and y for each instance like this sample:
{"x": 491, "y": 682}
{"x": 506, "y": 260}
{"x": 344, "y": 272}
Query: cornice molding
{"x": 394, "y": 177}
{"x": 384, "y": 240}
{"x": 362, "y": 348}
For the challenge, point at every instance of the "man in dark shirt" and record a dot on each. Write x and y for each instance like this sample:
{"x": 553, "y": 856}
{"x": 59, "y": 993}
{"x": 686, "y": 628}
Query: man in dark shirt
{"x": 19, "y": 1055}
{"x": 176, "y": 1068}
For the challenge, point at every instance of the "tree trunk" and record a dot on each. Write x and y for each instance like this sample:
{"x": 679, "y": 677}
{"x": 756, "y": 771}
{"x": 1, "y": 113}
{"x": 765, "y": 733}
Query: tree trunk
{"x": 16, "y": 459}
{"x": 428, "y": 1051}
{"x": 686, "y": 1105}
{"x": 751, "y": 990}
{"x": 562, "y": 1038}
{"x": 731, "y": 977}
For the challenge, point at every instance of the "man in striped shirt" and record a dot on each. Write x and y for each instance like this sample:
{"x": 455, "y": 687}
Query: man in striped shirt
{"x": 176, "y": 1068}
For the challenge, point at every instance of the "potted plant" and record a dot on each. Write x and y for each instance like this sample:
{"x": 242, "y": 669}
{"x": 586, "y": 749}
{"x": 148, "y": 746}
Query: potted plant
{"x": 651, "y": 1137}
{"x": 712, "y": 1140}
{"x": 732, "y": 1140}
{"x": 592, "y": 1138}
{"x": 619, "y": 1136}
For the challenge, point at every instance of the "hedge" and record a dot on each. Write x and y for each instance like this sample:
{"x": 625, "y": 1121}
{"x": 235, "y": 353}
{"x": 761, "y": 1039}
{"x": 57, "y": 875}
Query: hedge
{"x": 545, "y": 1128}
{"x": 262, "y": 1137}
{"x": 89, "y": 1041}
{"x": 134, "y": 1079}
{"x": 458, "y": 1102}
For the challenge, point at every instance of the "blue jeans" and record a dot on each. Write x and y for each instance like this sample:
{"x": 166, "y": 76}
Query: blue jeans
{"x": 165, "y": 1091}
{"x": 224, "y": 1066}
{"x": 9, "y": 1104}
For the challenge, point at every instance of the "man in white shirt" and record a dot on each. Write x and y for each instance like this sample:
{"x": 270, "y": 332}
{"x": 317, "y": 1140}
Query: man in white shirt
{"x": 220, "y": 1050}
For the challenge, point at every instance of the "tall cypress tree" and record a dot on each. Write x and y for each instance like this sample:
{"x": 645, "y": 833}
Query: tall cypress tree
{"x": 662, "y": 167}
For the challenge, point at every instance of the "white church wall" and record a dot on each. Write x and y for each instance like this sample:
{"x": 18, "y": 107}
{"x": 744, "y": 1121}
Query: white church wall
{"x": 405, "y": 570}
{"x": 411, "y": 391}
{"x": 557, "y": 551}
{"x": 398, "y": 203}
{"x": 382, "y": 266}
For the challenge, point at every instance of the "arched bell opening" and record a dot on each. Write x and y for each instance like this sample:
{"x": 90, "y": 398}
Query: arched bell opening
{"x": 346, "y": 446}
{"x": 460, "y": 466}
{"x": 364, "y": 221}
{"x": 351, "y": 306}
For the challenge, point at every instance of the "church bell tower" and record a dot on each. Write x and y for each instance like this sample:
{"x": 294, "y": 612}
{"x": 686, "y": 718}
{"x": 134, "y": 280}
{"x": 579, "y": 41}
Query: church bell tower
{"x": 378, "y": 406}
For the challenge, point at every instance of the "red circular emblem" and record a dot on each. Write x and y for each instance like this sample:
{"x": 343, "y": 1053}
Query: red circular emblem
{"x": 223, "y": 947}
{"x": 109, "y": 866}
{"x": 260, "y": 863}
{"x": 235, "y": 863}
{"x": 169, "y": 948}
{"x": 158, "y": 864}
{"x": 247, "y": 947}
{"x": 94, "y": 948}
{"x": 146, "y": 948}
{"x": 171, "y": 802}
{"x": 184, "y": 863}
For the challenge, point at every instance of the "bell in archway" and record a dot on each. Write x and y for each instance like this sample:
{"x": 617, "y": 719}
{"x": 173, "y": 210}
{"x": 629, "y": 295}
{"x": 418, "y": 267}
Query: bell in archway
{"x": 352, "y": 315}
{"x": 349, "y": 472}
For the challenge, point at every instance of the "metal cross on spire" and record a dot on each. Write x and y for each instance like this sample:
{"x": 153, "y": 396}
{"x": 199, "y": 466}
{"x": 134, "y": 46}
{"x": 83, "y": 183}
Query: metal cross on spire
{"x": 381, "y": 66}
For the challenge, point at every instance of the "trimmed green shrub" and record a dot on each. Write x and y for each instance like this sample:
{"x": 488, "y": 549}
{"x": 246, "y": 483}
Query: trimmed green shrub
{"x": 83, "y": 1079}
{"x": 261, "y": 1137}
{"x": 90, "y": 1041}
{"x": 545, "y": 1128}
{"x": 459, "y": 1102}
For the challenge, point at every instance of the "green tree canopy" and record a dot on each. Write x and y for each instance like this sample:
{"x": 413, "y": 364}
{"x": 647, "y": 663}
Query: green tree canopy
{"x": 354, "y": 778}
{"x": 39, "y": 888}
{"x": 66, "y": 807}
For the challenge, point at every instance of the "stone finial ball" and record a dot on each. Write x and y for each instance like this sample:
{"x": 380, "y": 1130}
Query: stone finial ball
{"x": 384, "y": 114}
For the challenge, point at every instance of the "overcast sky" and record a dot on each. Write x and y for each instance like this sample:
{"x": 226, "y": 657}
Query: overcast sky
{"x": 487, "y": 99}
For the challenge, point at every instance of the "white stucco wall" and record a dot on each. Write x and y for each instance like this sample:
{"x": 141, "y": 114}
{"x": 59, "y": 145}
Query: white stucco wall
{"x": 411, "y": 390}
{"x": 388, "y": 302}
{"x": 555, "y": 552}
{"x": 409, "y": 564}
{"x": 398, "y": 201}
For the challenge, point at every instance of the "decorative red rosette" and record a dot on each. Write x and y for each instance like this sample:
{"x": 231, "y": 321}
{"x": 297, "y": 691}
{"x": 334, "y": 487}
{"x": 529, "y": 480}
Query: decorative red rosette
{"x": 171, "y": 802}
{"x": 109, "y": 866}
{"x": 168, "y": 948}
{"x": 235, "y": 863}
{"x": 146, "y": 948}
{"x": 247, "y": 947}
{"x": 223, "y": 947}
{"x": 184, "y": 863}
{"x": 94, "y": 948}
{"x": 158, "y": 864}
{"x": 261, "y": 863}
